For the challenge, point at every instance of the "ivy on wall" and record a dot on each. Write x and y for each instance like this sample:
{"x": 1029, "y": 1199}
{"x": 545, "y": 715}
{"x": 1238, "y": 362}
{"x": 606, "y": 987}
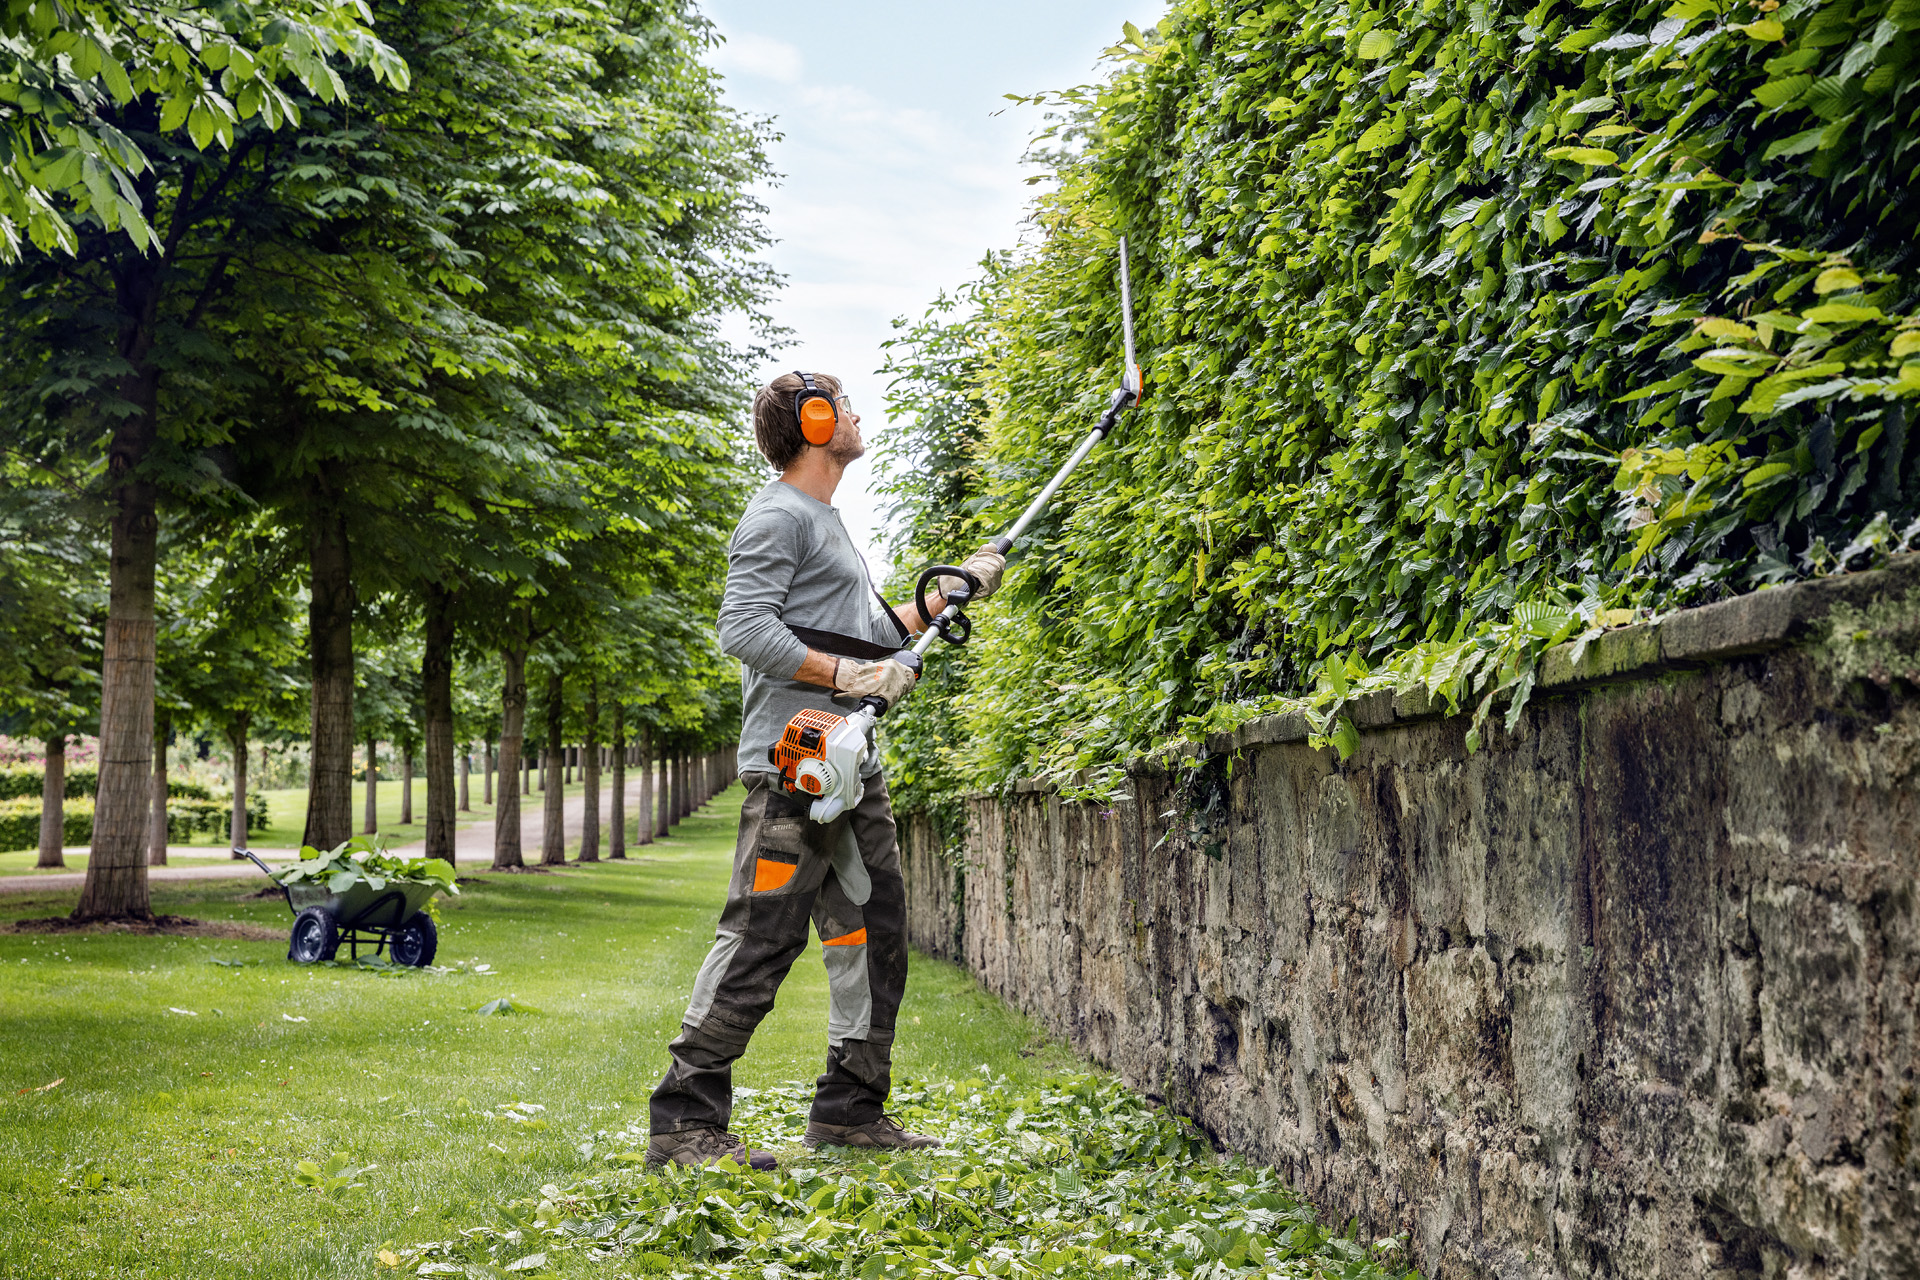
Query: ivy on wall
{"x": 1468, "y": 328}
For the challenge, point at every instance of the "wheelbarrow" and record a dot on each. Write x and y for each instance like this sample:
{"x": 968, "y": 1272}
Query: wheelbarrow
{"x": 388, "y": 919}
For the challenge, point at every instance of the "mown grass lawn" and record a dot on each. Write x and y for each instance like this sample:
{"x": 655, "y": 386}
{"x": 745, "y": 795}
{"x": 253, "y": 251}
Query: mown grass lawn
{"x": 170, "y": 1145}
{"x": 159, "y": 1094}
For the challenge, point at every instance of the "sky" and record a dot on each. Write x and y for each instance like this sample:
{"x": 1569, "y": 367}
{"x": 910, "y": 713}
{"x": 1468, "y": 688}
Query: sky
{"x": 899, "y": 162}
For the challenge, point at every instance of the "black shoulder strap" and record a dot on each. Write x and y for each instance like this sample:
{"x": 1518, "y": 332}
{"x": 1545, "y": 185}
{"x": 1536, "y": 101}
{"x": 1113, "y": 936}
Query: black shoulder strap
{"x": 853, "y": 646}
{"x": 839, "y": 646}
{"x": 894, "y": 618}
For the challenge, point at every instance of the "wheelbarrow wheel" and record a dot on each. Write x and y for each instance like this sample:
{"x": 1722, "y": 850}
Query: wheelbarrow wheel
{"x": 415, "y": 942}
{"x": 315, "y": 936}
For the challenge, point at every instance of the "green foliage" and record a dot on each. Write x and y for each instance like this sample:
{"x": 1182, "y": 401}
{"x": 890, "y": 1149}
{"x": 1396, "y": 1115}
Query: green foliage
{"x": 361, "y": 861}
{"x": 68, "y": 69}
{"x": 1077, "y": 1177}
{"x": 191, "y": 808}
{"x": 20, "y": 822}
{"x": 30, "y": 780}
{"x": 1468, "y": 328}
{"x": 931, "y": 478}
{"x": 334, "y": 1178}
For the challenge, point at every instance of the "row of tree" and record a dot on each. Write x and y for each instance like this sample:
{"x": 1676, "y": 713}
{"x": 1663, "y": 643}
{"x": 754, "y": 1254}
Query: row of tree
{"x": 424, "y": 347}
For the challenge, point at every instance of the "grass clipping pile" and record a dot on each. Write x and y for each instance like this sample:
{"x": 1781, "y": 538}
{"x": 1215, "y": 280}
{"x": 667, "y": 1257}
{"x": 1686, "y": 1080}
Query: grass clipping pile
{"x": 1081, "y": 1178}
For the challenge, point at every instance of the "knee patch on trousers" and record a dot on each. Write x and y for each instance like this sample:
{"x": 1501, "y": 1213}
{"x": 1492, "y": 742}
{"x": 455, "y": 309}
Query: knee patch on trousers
{"x": 849, "y": 992}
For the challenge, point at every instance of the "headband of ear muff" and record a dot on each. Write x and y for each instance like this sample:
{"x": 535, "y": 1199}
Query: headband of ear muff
{"x": 815, "y": 409}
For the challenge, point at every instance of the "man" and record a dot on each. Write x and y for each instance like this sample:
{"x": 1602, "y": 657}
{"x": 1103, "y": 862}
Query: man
{"x": 791, "y": 564}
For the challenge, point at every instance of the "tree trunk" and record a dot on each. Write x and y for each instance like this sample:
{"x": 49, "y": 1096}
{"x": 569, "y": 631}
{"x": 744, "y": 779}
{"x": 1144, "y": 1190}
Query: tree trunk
{"x": 53, "y": 804}
{"x": 330, "y": 633}
{"x": 526, "y": 774}
{"x": 553, "y": 830}
{"x": 372, "y": 825}
{"x": 237, "y": 739}
{"x": 465, "y": 760}
{"x": 513, "y": 720}
{"x": 546, "y": 767}
{"x": 590, "y": 779}
{"x": 663, "y": 800}
{"x": 486, "y": 772}
{"x": 617, "y": 822}
{"x": 436, "y": 688}
{"x": 116, "y": 883}
{"x": 406, "y": 784}
{"x": 643, "y": 761}
{"x": 157, "y": 841}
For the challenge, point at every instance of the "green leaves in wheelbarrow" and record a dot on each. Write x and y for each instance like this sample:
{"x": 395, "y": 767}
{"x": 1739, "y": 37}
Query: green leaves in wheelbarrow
{"x": 361, "y": 859}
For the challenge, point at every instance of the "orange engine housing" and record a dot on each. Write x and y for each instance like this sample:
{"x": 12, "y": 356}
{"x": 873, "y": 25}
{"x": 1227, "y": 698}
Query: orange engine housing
{"x": 805, "y": 739}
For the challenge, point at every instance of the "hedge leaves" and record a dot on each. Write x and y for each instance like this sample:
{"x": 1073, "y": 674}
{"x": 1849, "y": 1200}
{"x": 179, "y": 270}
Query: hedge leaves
{"x": 1446, "y": 309}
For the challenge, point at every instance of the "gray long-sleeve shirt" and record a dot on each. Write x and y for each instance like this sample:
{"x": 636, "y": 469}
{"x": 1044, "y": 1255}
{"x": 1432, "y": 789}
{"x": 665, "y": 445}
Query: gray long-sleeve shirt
{"x": 791, "y": 562}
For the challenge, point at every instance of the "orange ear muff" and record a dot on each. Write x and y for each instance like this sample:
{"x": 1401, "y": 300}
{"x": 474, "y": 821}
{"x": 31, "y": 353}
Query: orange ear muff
{"x": 817, "y": 419}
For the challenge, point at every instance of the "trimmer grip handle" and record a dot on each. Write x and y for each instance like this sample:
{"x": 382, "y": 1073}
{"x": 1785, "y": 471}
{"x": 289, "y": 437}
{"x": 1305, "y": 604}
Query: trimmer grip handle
{"x": 1002, "y": 544}
{"x": 932, "y": 575}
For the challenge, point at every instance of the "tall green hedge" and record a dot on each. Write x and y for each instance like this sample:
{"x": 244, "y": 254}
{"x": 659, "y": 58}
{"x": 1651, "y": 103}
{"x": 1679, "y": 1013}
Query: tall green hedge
{"x": 1468, "y": 327}
{"x": 20, "y": 822}
{"x": 30, "y": 779}
{"x": 186, "y": 816}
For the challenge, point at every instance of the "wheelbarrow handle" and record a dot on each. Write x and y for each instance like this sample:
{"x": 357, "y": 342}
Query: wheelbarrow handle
{"x": 264, "y": 868}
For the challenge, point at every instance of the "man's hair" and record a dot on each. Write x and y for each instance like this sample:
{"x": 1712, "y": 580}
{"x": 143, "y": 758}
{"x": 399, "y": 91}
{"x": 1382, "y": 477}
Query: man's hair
{"x": 775, "y": 430}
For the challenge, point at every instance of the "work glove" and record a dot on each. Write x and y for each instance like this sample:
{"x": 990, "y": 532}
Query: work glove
{"x": 886, "y": 678}
{"x": 987, "y": 565}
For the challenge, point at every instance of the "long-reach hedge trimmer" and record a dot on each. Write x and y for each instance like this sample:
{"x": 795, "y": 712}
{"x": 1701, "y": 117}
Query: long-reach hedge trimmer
{"x": 819, "y": 753}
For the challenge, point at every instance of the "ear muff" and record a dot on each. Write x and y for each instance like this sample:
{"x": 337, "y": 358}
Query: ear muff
{"x": 816, "y": 411}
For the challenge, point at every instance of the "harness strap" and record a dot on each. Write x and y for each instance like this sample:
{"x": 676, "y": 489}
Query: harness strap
{"x": 839, "y": 646}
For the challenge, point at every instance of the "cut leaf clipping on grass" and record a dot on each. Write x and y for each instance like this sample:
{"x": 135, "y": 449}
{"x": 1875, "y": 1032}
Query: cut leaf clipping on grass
{"x": 1079, "y": 1177}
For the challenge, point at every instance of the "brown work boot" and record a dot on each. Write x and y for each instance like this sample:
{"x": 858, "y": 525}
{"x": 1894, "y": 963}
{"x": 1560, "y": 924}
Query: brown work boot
{"x": 884, "y": 1132}
{"x": 709, "y": 1146}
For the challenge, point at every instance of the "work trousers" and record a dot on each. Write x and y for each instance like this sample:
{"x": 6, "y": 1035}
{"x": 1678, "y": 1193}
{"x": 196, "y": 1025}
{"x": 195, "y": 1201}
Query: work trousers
{"x": 844, "y": 876}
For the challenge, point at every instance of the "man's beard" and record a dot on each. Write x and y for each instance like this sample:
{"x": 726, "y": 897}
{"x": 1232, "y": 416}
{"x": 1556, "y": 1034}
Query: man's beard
{"x": 845, "y": 451}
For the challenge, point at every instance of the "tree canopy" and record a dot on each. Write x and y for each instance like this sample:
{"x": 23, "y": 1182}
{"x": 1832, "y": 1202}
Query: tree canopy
{"x": 419, "y": 337}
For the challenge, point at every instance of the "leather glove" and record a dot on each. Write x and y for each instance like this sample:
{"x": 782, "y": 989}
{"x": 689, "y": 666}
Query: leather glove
{"x": 985, "y": 564}
{"x": 886, "y": 678}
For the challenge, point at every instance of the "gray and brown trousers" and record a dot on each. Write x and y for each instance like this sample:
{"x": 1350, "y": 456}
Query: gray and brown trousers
{"x": 844, "y": 878}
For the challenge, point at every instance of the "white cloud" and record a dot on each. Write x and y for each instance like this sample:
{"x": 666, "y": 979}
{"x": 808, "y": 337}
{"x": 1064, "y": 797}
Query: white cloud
{"x": 748, "y": 54}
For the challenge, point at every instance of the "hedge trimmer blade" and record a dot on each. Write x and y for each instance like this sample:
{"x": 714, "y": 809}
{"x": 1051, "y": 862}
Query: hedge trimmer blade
{"x": 1130, "y": 380}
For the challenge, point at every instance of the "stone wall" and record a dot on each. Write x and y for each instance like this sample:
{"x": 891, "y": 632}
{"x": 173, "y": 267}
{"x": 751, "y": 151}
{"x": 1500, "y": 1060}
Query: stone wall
{"x": 1631, "y": 991}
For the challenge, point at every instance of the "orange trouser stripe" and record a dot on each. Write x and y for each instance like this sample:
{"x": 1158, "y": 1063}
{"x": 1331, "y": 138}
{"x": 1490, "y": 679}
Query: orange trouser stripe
{"x": 858, "y": 938}
{"x": 768, "y": 874}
